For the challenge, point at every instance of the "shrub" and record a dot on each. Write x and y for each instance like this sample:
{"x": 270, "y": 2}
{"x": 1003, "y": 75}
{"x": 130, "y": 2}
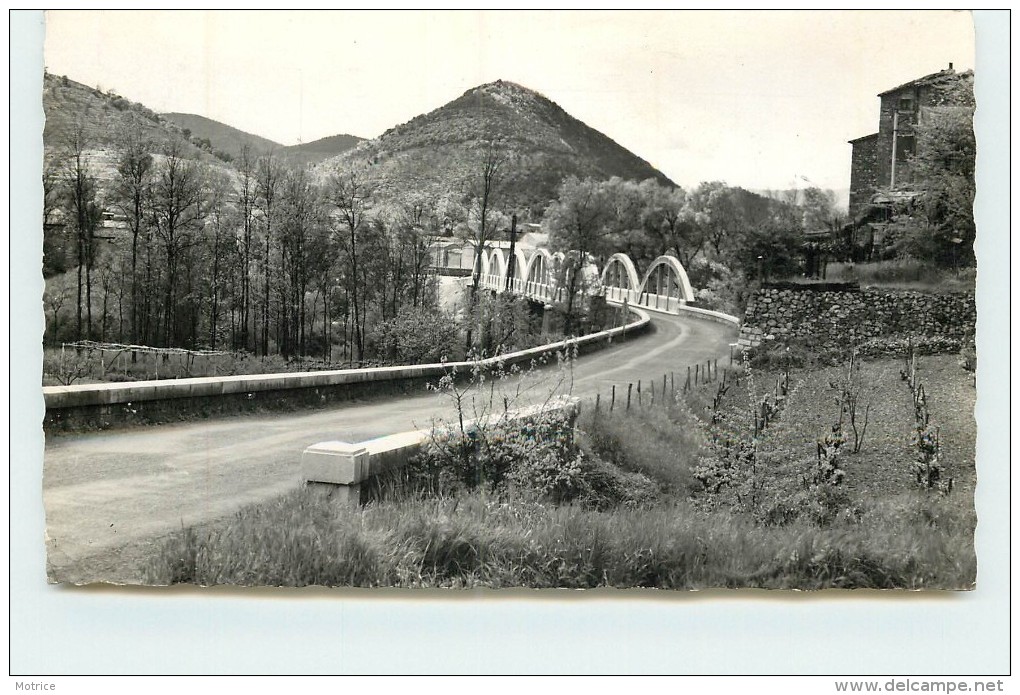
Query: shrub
{"x": 903, "y": 272}
{"x": 495, "y": 456}
{"x": 67, "y": 367}
{"x": 773, "y": 355}
{"x": 968, "y": 355}
{"x": 416, "y": 336}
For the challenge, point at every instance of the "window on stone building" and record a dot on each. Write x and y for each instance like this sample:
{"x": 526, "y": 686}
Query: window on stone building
{"x": 906, "y": 103}
{"x": 904, "y": 147}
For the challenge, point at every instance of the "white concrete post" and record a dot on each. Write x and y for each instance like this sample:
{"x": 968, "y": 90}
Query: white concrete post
{"x": 336, "y": 463}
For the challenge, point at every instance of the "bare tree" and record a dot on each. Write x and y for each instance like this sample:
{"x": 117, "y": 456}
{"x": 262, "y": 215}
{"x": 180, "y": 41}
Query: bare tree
{"x": 484, "y": 194}
{"x": 350, "y": 194}
{"x": 55, "y": 296}
{"x": 178, "y": 212}
{"x": 221, "y": 218}
{"x": 80, "y": 187}
{"x": 246, "y": 209}
{"x": 300, "y": 218}
{"x": 417, "y": 224}
{"x": 269, "y": 172}
{"x": 132, "y": 189}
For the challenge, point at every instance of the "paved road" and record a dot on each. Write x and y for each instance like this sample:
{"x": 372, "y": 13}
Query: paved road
{"x": 108, "y": 495}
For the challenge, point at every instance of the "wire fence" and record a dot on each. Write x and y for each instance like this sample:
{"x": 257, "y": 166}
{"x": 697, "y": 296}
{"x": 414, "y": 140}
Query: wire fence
{"x": 646, "y": 393}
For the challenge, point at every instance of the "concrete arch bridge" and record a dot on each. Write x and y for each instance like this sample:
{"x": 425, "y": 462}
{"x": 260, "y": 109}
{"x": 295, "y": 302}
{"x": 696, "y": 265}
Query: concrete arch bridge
{"x": 538, "y": 274}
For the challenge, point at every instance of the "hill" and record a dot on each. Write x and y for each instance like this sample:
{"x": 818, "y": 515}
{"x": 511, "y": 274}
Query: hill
{"x": 102, "y": 115}
{"x": 106, "y": 120}
{"x": 226, "y": 139}
{"x": 320, "y": 150}
{"x": 221, "y": 137}
{"x": 435, "y": 151}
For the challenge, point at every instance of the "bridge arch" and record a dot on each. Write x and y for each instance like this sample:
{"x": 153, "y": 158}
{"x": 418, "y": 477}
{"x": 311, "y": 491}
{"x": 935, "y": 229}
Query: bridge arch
{"x": 484, "y": 270}
{"x": 620, "y": 277}
{"x": 497, "y": 269}
{"x": 665, "y": 285}
{"x": 520, "y": 268}
{"x": 538, "y": 274}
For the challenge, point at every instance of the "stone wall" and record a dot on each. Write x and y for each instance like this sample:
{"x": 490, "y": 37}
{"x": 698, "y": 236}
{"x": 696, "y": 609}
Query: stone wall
{"x": 828, "y": 319}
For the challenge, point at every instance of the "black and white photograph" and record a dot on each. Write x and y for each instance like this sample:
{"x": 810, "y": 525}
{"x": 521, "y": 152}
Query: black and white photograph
{"x": 474, "y": 302}
{"x": 488, "y": 345}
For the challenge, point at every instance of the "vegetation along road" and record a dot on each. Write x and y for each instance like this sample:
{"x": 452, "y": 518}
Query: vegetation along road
{"x": 108, "y": 495}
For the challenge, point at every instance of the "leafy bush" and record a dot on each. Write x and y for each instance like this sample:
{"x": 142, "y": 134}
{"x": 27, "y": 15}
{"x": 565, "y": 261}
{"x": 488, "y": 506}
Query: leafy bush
{"x": 775, "y": 355}
{"x": 903, "y": 272}
{"x": 416, "y": 336}
{"x": 500, "y": 455}
{"x": 772, "y": 355}
{"x": 720, "y": 288}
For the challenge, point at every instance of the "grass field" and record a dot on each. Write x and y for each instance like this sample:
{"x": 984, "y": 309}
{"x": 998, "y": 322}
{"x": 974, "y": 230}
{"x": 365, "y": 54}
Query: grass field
{"x": 903, "y": 274}
{"x": 657, "y": 526}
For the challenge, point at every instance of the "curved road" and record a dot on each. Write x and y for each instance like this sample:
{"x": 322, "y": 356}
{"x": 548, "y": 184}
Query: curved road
{"x": 108, "y": 495}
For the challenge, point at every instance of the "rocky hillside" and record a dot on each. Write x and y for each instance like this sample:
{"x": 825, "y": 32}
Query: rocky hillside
{"x": 437, "y": 149}
{"x": 102, "y": 115}
{"x": 106, "y": 121}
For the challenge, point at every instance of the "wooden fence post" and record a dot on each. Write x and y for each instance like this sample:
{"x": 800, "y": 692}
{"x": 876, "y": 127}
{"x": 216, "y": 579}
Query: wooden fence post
{"x": 629, "y": 387}
{"x": 612, "y": 400}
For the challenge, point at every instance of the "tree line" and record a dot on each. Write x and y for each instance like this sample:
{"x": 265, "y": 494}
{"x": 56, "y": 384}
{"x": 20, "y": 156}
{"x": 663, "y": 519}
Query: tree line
{"x": 269, "y": 259}
{"x": 263, "y": 257}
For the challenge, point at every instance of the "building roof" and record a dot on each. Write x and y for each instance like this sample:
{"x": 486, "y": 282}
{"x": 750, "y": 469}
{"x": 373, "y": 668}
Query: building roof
{"x": 886, "y": 197}
{"x": 934, "y": 78}
{"x": 863, "y": 137}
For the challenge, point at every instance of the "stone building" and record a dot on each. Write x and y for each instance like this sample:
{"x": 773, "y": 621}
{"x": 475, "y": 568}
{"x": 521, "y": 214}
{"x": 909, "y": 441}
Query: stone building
{"x": 881, "y": 161}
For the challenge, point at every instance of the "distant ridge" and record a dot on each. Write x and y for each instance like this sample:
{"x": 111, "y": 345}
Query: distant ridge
{"x": 432, "y": 152}
{"x": 221, "y": 136}
{"x": 321, "y": 149}
{"x": 225, "y": 138}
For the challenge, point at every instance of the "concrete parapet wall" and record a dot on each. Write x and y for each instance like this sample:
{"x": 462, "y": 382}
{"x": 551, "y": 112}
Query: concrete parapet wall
{"x": 348, "y": 465}
{"x": 103, "y": 405}
{"x": 708, "y": 314}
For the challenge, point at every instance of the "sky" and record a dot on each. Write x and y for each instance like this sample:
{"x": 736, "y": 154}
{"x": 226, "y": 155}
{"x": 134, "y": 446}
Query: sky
{"x": 763, "y": 100}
